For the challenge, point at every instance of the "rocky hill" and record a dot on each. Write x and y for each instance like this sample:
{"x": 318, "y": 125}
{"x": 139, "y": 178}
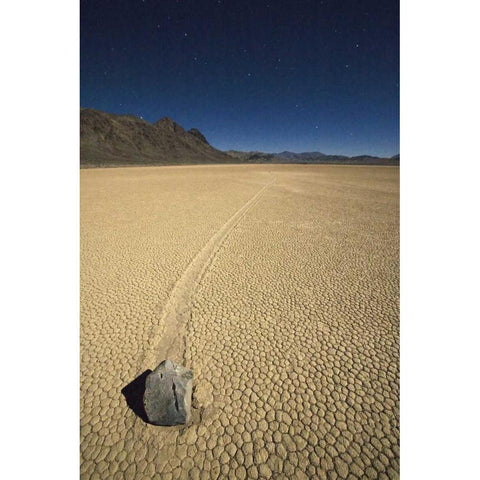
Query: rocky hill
{"x": 110, "y": 140}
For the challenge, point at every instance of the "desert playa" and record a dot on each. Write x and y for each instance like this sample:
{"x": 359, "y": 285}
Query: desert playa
{"x": 278, "y": 285}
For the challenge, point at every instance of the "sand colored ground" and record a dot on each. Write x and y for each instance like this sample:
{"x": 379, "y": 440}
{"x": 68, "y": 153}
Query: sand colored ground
{"x": 277, "y": 285}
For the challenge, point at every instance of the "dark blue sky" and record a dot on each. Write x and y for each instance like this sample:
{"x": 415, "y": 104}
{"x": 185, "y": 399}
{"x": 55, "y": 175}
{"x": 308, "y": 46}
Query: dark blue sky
{"x": 251, "y": 75}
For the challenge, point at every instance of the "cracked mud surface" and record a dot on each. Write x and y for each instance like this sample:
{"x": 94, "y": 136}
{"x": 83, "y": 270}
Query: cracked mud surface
{"x": 292, "y": 330}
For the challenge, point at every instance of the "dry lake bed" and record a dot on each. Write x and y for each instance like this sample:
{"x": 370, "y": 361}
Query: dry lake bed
{"x": 278, "y": 285}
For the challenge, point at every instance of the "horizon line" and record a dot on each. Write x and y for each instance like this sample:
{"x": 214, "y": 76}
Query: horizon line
{"x": 139, "y": 117}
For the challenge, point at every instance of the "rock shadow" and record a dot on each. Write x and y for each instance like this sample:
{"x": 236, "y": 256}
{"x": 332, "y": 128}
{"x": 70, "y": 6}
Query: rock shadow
{"x": 133, "y": 393}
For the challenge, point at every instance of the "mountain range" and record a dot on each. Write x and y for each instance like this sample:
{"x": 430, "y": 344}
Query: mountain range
{"x": 118, "y": 140}
{"x": 311, "y": 157}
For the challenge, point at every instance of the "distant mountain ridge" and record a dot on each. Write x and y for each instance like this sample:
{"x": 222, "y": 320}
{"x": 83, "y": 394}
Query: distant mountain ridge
{"x": 117, "y": 140}
{"x": 292, "y": 155}
{"x": 311, "y": 158}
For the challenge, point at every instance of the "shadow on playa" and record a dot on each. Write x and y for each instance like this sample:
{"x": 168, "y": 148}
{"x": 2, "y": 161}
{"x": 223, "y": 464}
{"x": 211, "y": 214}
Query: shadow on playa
{"x": 133, "y": 394}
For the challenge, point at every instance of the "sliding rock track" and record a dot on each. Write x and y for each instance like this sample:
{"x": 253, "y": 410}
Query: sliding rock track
{"x": 177, "y": 312}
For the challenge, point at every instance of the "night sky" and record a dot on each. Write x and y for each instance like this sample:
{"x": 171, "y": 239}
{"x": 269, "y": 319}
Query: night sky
{"x": 250, "y": 75}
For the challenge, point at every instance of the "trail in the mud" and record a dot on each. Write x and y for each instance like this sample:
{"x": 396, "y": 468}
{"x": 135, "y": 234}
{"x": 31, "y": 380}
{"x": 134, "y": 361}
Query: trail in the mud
{"x": 177, "y": 311}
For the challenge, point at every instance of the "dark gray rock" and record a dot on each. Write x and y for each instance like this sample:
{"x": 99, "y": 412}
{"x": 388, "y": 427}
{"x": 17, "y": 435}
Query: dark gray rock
{"x": 168, "y": 394}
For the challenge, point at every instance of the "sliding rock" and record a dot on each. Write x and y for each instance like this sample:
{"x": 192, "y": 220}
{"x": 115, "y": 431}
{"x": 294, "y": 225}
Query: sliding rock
{"x": 168, "y": 394}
